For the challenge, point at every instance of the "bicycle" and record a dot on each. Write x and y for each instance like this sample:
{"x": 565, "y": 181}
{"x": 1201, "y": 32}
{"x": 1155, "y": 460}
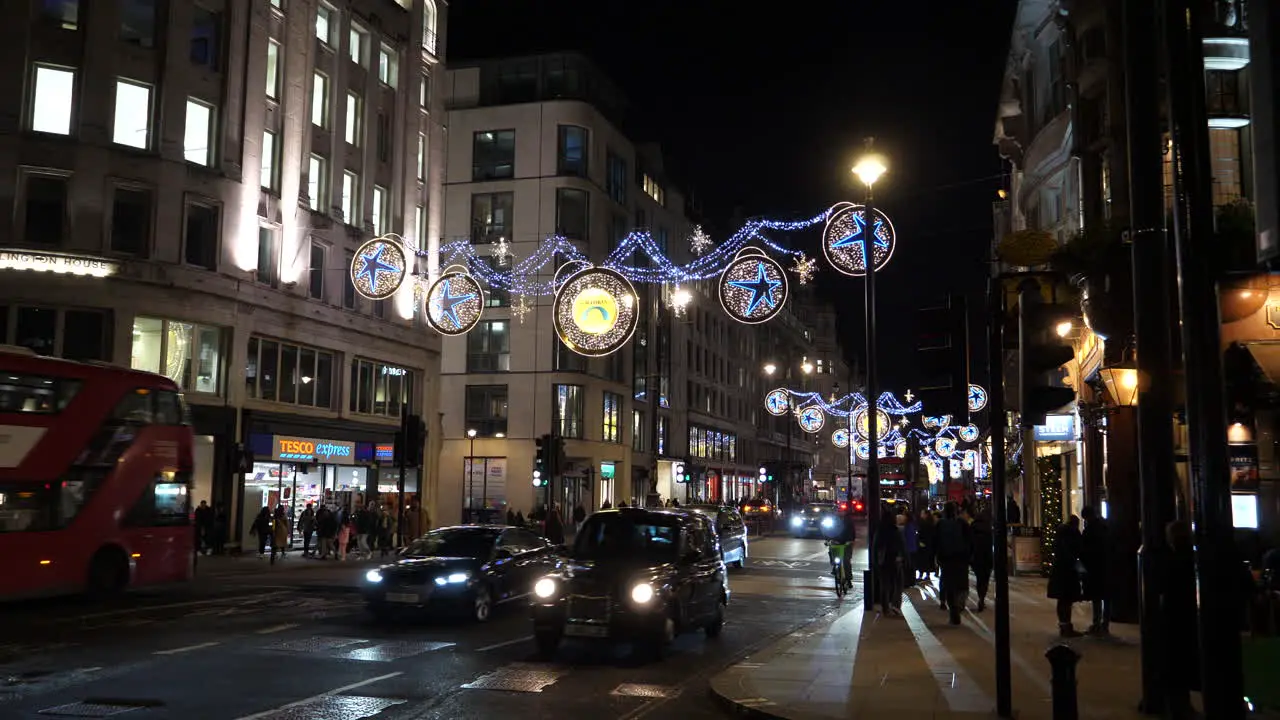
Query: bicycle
{"x": 840, "y": 570}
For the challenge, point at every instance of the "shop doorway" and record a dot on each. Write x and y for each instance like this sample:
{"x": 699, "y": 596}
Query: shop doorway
{"x": 294, "y": 486}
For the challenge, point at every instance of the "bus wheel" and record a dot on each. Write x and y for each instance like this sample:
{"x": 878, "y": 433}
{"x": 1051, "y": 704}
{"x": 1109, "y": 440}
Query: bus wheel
{"x": 108, "y": 573}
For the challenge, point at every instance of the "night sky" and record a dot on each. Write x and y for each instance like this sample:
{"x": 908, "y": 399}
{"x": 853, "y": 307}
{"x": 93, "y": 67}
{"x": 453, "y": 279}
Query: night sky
{"x": 763, "y": 110}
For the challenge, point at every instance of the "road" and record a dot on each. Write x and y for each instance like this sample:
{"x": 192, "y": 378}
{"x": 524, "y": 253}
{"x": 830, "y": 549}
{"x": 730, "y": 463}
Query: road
{"x": 281, "y": 645}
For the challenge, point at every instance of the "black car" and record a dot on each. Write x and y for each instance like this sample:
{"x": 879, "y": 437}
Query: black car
{"x": 472, "y": 568}
{"x": 813, "y": 519}
{"x": 634, "y": 575}
{"x": 730, "y": 529}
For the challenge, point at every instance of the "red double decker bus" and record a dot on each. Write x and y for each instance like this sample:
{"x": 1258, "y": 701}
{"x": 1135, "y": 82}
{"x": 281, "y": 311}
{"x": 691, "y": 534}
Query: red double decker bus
{"x": 95, "y": 473}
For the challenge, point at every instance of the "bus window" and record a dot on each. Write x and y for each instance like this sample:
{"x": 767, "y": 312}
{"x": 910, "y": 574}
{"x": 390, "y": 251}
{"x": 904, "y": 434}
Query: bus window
{"x": 36, "y": 394}
{"x": 168, "y": 408}
{"x": 76, "y": 490}
{"x": 134, "y": 408}
{"x": 25, "y": 508}
{"x": 164, "y": 503}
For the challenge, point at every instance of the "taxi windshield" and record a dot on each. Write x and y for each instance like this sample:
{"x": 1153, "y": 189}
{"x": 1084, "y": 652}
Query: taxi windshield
{"x": 614, "y": 536}
{"x": 466, "y": 543}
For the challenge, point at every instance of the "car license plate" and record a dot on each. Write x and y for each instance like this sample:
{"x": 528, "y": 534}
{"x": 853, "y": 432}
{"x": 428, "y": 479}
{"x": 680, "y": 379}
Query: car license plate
{"x": 402, "y": 597}
{"x": 586, "y": 631}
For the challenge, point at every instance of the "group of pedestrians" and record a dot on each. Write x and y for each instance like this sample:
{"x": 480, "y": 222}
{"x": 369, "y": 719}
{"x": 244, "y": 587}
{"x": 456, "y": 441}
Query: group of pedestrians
{"x": 338, "y": 532}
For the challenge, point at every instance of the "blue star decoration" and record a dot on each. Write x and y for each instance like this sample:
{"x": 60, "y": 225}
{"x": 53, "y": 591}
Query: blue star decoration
{"x": 854, "y": 238}
{"x": 761, "y": 289}
{"x": 976, "y": 396}
{"x": 449, "y": 303}
{"x": 371, "y": 264}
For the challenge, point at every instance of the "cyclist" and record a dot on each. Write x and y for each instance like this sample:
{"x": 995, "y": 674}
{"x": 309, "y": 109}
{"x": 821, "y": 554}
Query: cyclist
{"x": 842, "y": 542}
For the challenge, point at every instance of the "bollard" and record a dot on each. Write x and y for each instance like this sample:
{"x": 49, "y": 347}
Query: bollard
{"x": 1062, "y": 680}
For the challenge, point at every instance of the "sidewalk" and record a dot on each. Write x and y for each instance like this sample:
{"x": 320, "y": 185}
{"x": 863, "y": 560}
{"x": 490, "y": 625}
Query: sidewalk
{"x": 856, "y": 664}
{"x": 304, "y": 571}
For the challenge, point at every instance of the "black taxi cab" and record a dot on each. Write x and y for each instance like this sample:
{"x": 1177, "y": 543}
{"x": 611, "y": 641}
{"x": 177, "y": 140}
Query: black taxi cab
{"x": 634, "y": 575}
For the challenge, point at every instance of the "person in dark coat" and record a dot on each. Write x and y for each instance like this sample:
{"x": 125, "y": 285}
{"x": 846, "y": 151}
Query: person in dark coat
{"x": 925, "y": 551}
{"x": 983, "y": 556}
{"x": 954, "y": 547}
{"x": 1064, "y": 574}
{"x": 554, "y": 527}
{"x": 1095, "y": 553}
{"x": 1177, "y": 609}
{"x": 1012, "y": 511}
{"x": 887, "y": 554}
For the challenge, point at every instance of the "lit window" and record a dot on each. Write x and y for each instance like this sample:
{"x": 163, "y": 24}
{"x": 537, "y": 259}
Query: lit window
{"x": 324, "y": 19}
{"x": 317, "y": 175}
{"x": 55, "y": 91}
{"x": 387, "y": 66}
{"x": 349, "y": 205}
{"x": 379, "y": 208}
{"x": 133, "y": 114}
{"x": 420, "y": 225}
{"x": 429, "y": 26}
{"x": 422, "y": 156}
{"x": 320, "y": 100}
{"x": 352, "y": 131}
{"x": 424, "y": 92}
{"x": 195, "y": 142}
{"x": 269, "y": 160}
{"x": 277, "y": 4}
{"x": 358, "y": 40}
{"x": 273, "y": 69}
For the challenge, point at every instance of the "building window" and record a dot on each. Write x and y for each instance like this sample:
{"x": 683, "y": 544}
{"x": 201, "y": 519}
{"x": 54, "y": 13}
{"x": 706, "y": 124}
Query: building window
{"x": 422, "y": 156}
{"x": 494, "y": 296}
{"x": 612, "y": 407}
{"x": 489, "y": 347}
{"x": 637, "y": 431}
{"x": 188, "y": 354}
{"x": 53, "y": 99}
{"x": 138, "y": 22}
{"x": 1224, "y": 159}
{"x": 491, "y": 217}
{"x": 653, "y": 189}
{"x": 573, "y": 151}
{"x": 200, "y": 242}
{"x": 429, "y": 26}
{"x": 348, "y": 287}
{"x": 206, "y": 39}
{"x": 325, "y": 22}
{"x": 388, "y": 66}
{"x": 420, "y": 225}
{"x": 320, "y": 100}
{"x": 65, "y": 13}
{"x": 486, "y": 409}
{"x": 384, "y": 137}
{"x": 380, "y": 389}
{"x": 350, "y": 197}
{"x": 70, "y": 334}
{"x": 380, "y": 309}
{"x": 197, "y": 137}
{"x": 44, "y": 208}
{"x": 315, "y": 280}
{"x": 268, "y": 256}
{"x": 572, "y": 215}
{"x": 287, "y": 373}
{"x": 358, "y": 44}
{"x": 318, "y": 182}
{"x": 273, "y": 69}
{"x": 351, "y": 131}
{"x": 379, "y": 209}
{"x": 269, "y": 165}
{"x": 493, "y": 155}
{"x": 131, "y": 221}
{"x": 277, "y": 4}
{"x": 662, "y": 434}
{"x": 424, "y": 92}
{"x": 565, "y": 360}
{"x": 567, "y": 410}
{"x": 616, "y": 177}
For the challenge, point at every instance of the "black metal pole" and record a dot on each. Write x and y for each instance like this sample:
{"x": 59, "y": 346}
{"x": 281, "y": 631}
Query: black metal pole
{"x": 1216, "y": 563}
{"x": 995, "y": 404}
{"x": 873, "y": 392}
{"x": 1151, "y": 328}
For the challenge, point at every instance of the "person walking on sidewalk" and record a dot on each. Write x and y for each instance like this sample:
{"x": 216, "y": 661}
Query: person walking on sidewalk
{"x": 983, "y": 556}
{"x": 279, "y": 534}
{"x": 911, "y": 546}
{"x": 307, "y": 524}
{"x": 887, "y": 555}
{"x": 954, "y": 548}
{"x": 926, "y": 552}
{"x": 1095, "y": 553}
{"x": 1064, "y": 574}
{"x": 261, "y": 529}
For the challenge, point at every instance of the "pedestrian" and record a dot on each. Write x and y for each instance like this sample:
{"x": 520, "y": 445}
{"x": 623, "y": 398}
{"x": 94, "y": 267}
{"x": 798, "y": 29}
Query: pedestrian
{"x": 327, "y": 530}
{"x": 983, "y": 556}
{"x": 887, "y": 555}
{"x": 366, "y": 525}
{"x": 386, "y": 529}
{"x": 261, "y": 528}
{"x": 221, "y": 529}
{"x": 1095, "y": 558}
{"x": 1012, "y": 511}
{"x": 344, "y": 540}
{"x": 911, "y": 547}
{"x": 279, "y": 534}
{"x": 511, "y": 516}
{"x": 204, "y": 527}
{"x": 307, "y": 524}
{"x": 554, "y": 526}
{"x": 954, "y": 548}
{"x": 579, "y": 517}
{"x": 1064, "y": 574}
{"x": 925, "y": 551}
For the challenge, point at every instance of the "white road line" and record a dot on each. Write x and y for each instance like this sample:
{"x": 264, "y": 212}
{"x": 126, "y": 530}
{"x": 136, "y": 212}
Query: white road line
{"x": 313, "y": 698}
{"x": 188, "y": 648}
{"x": 495, "y": 646}
{"x": 277, "y": 628}
{"x": 170, "y": 606}
{"x": 963, "y": 695}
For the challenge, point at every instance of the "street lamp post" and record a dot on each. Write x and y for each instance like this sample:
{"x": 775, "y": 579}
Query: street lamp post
{"x": 471, "y": 469}
{"x": 869, "y": 169}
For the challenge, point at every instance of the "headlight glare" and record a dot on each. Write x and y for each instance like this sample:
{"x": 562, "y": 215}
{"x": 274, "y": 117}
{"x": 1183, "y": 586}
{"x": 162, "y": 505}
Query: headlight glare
{"x": 373, "y": 576}
{"x": 797, "y": 521}
{"x": 545, "y": 588}
{"x": 642, "y": 593}
{"x": 828, "y": 523}
{"x": 453, "y": 579}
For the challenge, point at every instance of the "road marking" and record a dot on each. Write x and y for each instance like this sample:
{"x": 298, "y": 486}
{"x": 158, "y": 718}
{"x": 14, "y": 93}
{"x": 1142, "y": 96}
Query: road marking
{"x": 277, "y": 628}
{"x": 188, "y": 648}
{"x": 505, "y": 643}
{"x": 321, "y": 696}
{"x": 961, "y": 692}
{"x": 168, "y": 606}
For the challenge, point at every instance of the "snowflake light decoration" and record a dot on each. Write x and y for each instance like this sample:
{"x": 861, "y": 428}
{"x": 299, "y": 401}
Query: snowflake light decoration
{"x": 501, "y": 251}
{"x": 804, "y": 269}
{"x": 699, "y": 241}
{"x": 520, "y": 309}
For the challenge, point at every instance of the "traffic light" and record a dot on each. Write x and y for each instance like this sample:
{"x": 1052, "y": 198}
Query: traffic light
{"x": 409, "y": 441}
{"x": 557, "y": 459}
{"x": 541, "y": 464}
{"x": 1041, "y": 351}
{"x": 677, "y": 469}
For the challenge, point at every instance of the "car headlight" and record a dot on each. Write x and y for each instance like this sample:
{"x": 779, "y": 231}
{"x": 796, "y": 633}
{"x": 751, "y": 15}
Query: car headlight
{"x": 545, "y": 588}
{"x": 797, "y": 521}
{"x": 642, "y": 593}
{"x": 373, "y": 576}
{"x": 828, "y": 523}
{"x": 453, "y": 579}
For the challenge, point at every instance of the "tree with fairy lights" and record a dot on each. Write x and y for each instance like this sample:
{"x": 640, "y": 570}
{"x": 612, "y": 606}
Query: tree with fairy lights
{"x": 1051, "y": 506}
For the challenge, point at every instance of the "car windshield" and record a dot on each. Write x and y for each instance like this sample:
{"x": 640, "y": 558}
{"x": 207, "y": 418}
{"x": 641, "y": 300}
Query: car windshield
{"x": 613, "y": 536}
{"x": 819, "y": 509}
{"x": 454, "y": 543}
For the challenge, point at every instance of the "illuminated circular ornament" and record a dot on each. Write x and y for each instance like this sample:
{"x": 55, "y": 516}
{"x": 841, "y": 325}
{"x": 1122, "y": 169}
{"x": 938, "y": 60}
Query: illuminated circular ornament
{"x": 455, "y": 302}
{"x": 812, "y": 419}
{"x": 969, "y": 433}
{"x": 944, "y": 446}
{"x": 378, "y": 268}
{"x": 901, "y": 447}
{"x": 863, "y": 450}
{"x": 843, "y": 239}
{"x": 840, "y": 438}
{"x": 977, "y": 398}
{"x": 753, "y": 287}
{"x": 595, "y": 311}
{"x": 777, "y": 402}
{"x": 862, "y": 425}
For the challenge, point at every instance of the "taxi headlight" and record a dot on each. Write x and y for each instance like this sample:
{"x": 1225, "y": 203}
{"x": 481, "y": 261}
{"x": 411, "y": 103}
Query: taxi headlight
{"x": 373, "y": 576}
{"x": 642, "y": 593}
{"x": 797, "y": 521}
{"x": 545, "y": 588}
{"x": 828, "y": 523}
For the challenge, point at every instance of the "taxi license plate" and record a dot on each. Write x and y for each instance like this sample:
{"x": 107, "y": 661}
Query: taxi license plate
{"x": 586, "y": 631}
{"x": 402, "y": 597}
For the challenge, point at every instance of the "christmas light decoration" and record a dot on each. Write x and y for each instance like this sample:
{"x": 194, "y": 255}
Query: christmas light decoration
{"x": 840, "y": 438}
{"x": 862, "y": 422}
{"x": 944, "y": 446}
{"x": 753, "y": 287}
{"x": 520, "y": 309}
{"x": 969, "y": 433}
{"x": 844, "y": 240}
{"x": 812, "y": 419}
{"x": 804, "y": 269}
{"x": 777, "y": 402}
{"x": 501, "y": 252}
{"x": 379, "y": 268}
{"x": 1050, "y": 470}
{"x": 595, "y": 310}
{"x": 901, "y": 447}
{"x": 455, "y": 302}
{"x": 863, "y": 450}
{"x": 977, "y": 398}
{"x": 699, "y": 242}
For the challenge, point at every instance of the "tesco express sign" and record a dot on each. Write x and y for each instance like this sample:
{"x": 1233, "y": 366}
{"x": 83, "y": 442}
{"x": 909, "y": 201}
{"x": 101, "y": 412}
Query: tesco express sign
{"x": 299, "y": 449}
